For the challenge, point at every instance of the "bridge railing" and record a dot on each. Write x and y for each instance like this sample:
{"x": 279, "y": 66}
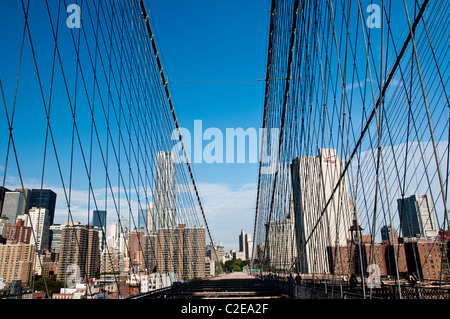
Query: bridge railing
{"x": 325, "y": 289}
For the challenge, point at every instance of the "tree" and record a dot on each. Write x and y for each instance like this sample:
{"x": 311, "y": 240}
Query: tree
{"x": 53, "y": 285}
{"x": 235, "y": 265}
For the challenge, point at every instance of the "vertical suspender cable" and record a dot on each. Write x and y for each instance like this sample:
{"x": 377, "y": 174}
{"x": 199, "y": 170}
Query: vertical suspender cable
{"x": 172, "y": 109}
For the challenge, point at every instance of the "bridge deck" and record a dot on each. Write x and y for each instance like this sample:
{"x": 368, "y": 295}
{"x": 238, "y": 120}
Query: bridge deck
{"x": 227, "y": 286}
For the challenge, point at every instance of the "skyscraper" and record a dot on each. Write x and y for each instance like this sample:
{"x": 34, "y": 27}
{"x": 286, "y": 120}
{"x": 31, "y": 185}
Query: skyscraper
{"x": 16, "y": 262}
{"x": 13, "y": 206}
{"x": 150, "y": 251}
{"x": 44, "y": 198}
{"x": 3, "y": 190}
{"x": 151, "y": 218}
{"x": 55, "y": 237}
{"x": 19, "y": 233}
{"x": 164, "y": 193}
{"x": 416, "y": 216}
{"x": 243, "y": 243}
{"x": 313, "y": 180}
{"x": 80, "y": 248}
{"x": 27, "y": 196}
{"x": 39, "y": 221}
{"x": 99, "y": 219}
{"x": 181, "y": 250}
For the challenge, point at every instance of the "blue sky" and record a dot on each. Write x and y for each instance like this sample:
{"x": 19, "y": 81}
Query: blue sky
{"x": 209, "y": 43}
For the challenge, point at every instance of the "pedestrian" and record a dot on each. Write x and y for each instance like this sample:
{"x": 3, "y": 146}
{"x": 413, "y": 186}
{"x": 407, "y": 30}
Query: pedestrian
{"x": 353, "y": 281}
{"x": 291, "y": 285}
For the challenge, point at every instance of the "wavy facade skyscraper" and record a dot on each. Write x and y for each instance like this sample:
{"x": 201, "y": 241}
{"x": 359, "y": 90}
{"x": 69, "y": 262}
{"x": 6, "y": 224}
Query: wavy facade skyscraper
{"x": 164, "y": 193}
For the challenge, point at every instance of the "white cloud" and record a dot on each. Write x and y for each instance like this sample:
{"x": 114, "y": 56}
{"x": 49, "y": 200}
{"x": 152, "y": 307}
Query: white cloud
{"x": 228, "y": 211}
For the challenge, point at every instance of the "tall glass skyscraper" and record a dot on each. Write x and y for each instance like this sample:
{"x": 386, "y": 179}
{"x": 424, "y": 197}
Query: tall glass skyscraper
{"x": 416, "y": 217}
{"x": 99, "y": 219}
{"x": 13, "y": 206}
{"x": 44, "y": 198}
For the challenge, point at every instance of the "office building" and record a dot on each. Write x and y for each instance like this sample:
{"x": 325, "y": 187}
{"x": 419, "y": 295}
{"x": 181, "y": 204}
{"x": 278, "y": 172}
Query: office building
{"x": 194, "y": 252}
{"x": 238, "y": 255}
{"x": 79, "y": 248}
{"x": 3, "y": 191}
{"x": 245, "y": 245}
{"x": 115, "y": 238}
{"x": 27, "y": 196}
{"x": 13, "y": 205}
{"x": 215, "y": 252}
{"x": 249, "y": 247}
{"x": 99, "y": 219}
{"x": 134, "y": 246}
{"x": 43, "y": 198}
{"x": 164, "y": 192}
{"x": 150, "y": 250}
{"x": 317, "y": 226}
{"x": 112, "y": 261}
{"x": 209, "y": 267}
{"x": 39, "y": 221}
{"x": 152, "y": 222}
{"x": 55, "y": 232}
{"x": 4, "y": 223}
{"x": 417, "y": 217}
{"x": 19, "y": 233}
